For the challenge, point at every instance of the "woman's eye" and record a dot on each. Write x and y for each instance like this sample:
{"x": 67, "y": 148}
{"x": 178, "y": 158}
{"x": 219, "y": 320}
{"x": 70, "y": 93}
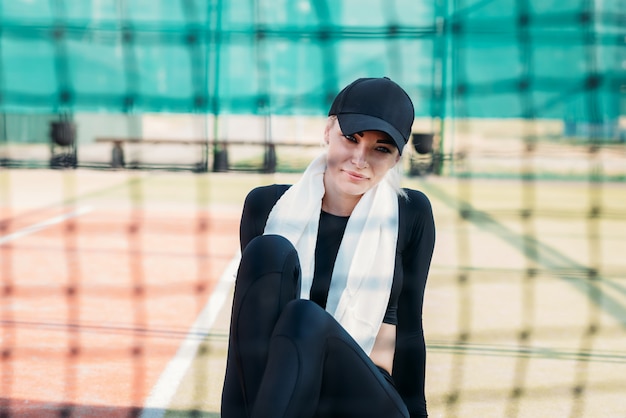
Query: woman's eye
{"x": 350, "y": 138}
{"x": 384, "y": 149}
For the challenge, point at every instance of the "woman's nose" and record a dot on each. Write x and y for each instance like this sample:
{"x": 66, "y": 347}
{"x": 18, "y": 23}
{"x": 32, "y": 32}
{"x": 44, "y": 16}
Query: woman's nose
{"x": 359, "y": 158}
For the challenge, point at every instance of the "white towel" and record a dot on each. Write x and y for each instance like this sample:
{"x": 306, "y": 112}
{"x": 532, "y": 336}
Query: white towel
{"x": 363, "y": 272}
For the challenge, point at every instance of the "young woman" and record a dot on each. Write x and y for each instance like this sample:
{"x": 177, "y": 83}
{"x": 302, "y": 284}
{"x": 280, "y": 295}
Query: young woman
{"x": 327, "y": 311}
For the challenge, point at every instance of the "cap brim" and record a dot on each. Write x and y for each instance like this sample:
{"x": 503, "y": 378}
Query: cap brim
{"x": 351, "y": 123}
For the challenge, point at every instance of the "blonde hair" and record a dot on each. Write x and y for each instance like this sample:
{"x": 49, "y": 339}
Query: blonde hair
{"x": 394, "y": 178}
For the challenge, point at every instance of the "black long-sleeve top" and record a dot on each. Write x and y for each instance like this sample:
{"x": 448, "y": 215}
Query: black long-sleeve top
{"x": 416, "y": 239}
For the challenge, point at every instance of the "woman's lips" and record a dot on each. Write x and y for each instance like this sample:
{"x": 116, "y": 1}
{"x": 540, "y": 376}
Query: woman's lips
{"x": 352, "y": 175}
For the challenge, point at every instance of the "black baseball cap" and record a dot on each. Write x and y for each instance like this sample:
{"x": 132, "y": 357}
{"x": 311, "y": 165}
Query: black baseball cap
{"x": 375, "y": 104}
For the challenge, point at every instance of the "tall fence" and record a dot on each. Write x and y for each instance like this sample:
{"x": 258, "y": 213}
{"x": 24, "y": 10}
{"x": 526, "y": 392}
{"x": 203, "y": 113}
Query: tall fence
{"x": 485, "y": 76}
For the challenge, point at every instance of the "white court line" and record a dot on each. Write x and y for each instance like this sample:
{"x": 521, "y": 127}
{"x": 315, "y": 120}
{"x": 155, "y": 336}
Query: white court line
{"x": 45, "y": 224}
{"x": 162, "y": 393}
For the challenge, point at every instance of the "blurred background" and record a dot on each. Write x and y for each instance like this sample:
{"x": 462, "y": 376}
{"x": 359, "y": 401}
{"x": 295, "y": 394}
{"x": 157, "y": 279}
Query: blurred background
{"x": 197, "y": 84}
{"x": 131, "y": 130}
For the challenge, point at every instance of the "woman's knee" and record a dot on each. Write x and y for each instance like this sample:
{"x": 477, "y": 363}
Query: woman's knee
{"x": 269, "y": 254}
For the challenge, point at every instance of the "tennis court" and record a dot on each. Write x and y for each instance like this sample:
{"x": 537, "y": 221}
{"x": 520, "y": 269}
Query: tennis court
{"x": 116, "y": 291}
{"x": 103, "y": 275}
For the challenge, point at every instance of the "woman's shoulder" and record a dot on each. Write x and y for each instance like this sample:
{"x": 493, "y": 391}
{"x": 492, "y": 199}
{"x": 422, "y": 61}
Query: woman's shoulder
{"x": 265, "y": 196}
{"x": 417, "y": 223}
{"x": 414, "y": 201}
{"x": 268, "y": 192}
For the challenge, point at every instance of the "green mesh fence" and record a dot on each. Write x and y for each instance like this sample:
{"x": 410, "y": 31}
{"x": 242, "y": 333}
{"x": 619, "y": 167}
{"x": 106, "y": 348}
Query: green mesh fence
{"x": 557, "y": 65}
{"x": 507, "y": 59}
{"x": 519, "y": 141}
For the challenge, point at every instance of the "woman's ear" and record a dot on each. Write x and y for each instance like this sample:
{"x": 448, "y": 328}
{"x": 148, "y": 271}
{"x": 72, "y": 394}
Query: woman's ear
{"x": 330, "y": 122}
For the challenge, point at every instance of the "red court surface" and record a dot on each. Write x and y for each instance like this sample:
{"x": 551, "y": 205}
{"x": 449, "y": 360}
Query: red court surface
{"x": 105, "y": 277}
{"x": 96, "y": 300}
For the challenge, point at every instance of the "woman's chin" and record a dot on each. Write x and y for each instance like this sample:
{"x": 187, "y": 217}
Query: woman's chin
{"x": 354, "y": 189}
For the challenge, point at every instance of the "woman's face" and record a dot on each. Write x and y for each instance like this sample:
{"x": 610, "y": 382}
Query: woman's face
{"x": 356, "y": 163}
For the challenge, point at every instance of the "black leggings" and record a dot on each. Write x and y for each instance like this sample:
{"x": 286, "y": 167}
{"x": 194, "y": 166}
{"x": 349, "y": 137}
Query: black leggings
{"x": 287, "y": 357}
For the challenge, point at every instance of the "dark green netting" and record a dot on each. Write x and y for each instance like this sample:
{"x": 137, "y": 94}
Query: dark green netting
{"x": 505, "y": 58}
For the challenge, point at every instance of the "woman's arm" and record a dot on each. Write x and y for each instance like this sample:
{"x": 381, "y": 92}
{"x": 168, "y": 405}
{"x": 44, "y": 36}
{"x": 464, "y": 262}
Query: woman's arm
{"x": 382, "y": 352}
{"x": 409, "y": 366}
{"x": 256, "y": 208}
